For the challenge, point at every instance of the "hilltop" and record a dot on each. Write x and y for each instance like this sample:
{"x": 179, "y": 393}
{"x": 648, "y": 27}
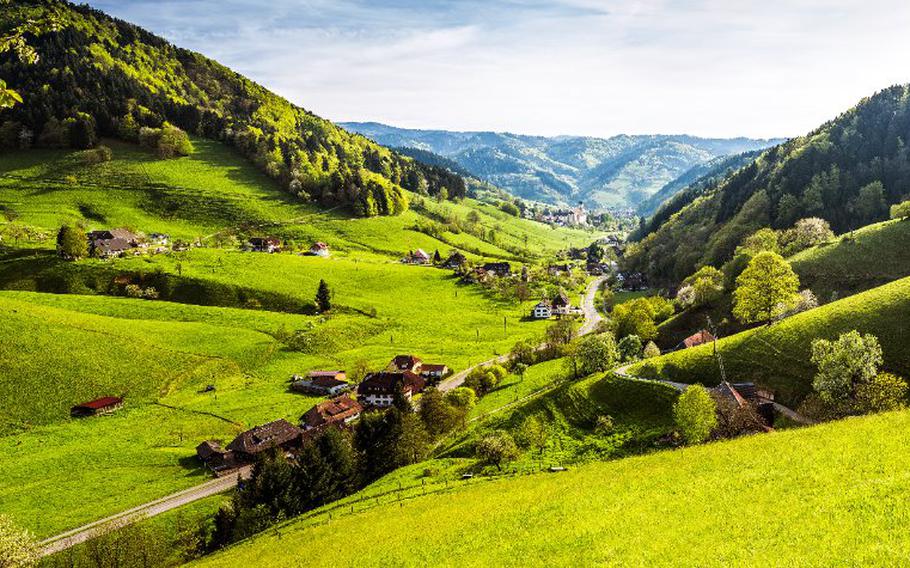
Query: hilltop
{"x": 120, "y": 79}
{"x": 620, "y": 171}
{"x": 802, "y": 488}
{"x": 848, "y": 172}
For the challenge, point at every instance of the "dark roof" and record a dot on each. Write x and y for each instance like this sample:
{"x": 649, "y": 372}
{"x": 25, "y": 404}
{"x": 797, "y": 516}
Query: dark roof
{"x": 503, "y": 267}
{"x": 456, "y": 258}
{"x": 561, "y": 299}
{"x": 319, "y": 245}
{"x": 265, "y": 437}
{"x": 388, "y": 383}
{"x": 207, "y": 449}
{"x": 332, "y": 411}
{"x": 101, "y": 403}
{"x": 431, "y": 367}
{"x": 402, "y": 362}
{"x": 330, "y": 374}
{"x": 258, "y": 241}
{"x": 326, "y": 382}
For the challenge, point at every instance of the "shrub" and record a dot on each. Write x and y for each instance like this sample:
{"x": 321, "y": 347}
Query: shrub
{"x": 630, "y": 348}
{"x": 844, "y": 364}
{"x": 71, "y": 243}
{"x": 901, "y": 210}
{"x": 882, "y": 393}
{"x": 695, "y": 413}
{"x": 597, "y": 353}
{"x": 651, "y": 350}
{"x": 17, "y": 546}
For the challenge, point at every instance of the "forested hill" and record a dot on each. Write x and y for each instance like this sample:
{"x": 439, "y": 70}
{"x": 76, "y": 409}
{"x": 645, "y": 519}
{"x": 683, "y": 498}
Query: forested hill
{"x": 98, "y": 75}
{"x": 848, "y": 172}
{"x": 621, "y": 171}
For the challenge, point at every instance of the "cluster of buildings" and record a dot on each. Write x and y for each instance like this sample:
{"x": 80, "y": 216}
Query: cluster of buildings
{"x": 570, "y": 217}
{"x": 110, "y": 243}
{"x": 274, "y": 245}
{"x": 405, "y": 375}
{"x": 559, "y": 306}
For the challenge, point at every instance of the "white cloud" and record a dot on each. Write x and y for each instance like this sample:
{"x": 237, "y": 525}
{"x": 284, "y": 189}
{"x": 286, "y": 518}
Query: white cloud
{"x": 708, "y": 67}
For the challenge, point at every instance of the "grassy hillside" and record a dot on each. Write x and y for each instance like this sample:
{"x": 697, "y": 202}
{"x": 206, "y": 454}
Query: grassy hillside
{"x": 778, "y": 355}
{"x": 120, "y": 78}
{"x": 856, "y": 261}
{"x": 215, "y": 191}
{"x": 847, "y": 171}
{"x": 832, "y": 494}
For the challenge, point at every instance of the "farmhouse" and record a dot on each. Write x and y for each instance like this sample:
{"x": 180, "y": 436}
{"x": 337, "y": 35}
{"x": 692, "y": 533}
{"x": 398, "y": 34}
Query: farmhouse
{"x": 319, "y": 248}
{"x": 215, "y": 457}
{"x": 456, "y": 260}
{"x": 497, "y": 268}
{"x": 277, "y": 434}
{"x": 542, "y": 310}
{"x": 321, "y": 383}
{"x": 432, "y": 372}
{"x": 111, "y": 243}
{"x": 696, "y": 339}
{"x": 406, "y": 363}
{"x": 264, "y": 244}
{"x": 379, "y": 389}
{"x": 418, "y": 256}
{"x": 104, "y": 405}
{"x": 337, "y": 412}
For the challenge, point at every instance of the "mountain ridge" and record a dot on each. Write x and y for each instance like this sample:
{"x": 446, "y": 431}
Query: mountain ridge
{"x": 619, "y": 171}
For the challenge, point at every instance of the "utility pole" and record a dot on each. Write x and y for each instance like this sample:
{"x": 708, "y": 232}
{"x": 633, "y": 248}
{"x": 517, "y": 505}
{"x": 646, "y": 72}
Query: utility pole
{"x": 717, "y": 355}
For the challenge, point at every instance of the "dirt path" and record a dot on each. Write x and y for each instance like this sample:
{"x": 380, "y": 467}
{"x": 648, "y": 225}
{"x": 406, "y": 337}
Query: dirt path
{"x": 592, "y": 318}
{"x": 81, "y": 534}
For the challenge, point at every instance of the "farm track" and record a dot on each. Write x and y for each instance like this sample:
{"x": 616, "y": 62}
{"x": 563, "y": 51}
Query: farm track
{"x": 86, "y": 532}
{"x": 81, "y": 534}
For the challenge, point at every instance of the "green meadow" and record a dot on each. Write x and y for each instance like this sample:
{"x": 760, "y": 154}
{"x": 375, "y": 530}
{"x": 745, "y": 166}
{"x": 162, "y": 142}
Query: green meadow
{"x": 57, "y": 350}
{"x": 778, "y": 355}
{"x": 827, "y": 495}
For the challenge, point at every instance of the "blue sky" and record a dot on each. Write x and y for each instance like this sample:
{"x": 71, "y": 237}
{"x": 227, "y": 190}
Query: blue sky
{"x": 596, "y": 67}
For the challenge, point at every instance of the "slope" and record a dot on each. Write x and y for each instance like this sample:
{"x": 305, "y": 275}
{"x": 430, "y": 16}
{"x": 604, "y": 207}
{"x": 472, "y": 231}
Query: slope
{"x": 829, "y": 494}
{"x": 619, "y": 171}
{"x": 848, "y": 171}
{"x": 777, "y": 356}
{"x": 120, "y": 78}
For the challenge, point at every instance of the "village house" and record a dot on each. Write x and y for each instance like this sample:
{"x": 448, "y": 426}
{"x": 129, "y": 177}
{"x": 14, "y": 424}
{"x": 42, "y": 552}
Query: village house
{"x": 406, "y": 363}
{"x": 542, "y": 310}
{"x": 432, "y": 372}
{"x": 418, "y": 256}
{"x": 696, "y": 339}
{"x": 104, "y": 405}
{"x": 159, "y": 239}
{"x": 379, "y": 389}
{"x": 497, "y": 268}
{"x": 250, "y": 444}
{"x": 264, "y": 244}
{"x": 744, "y": 394}
{"x": 338, "y": 412}
{"x": 456, "y": 260}
{"x": 321, "y": 383}
{"x": 215, "y": 458}
{"x": 111, "y": 243}
{"x": 319, "y": 248}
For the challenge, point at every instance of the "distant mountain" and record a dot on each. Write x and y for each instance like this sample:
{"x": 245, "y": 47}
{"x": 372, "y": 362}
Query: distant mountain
{"x": 621, "y": 171}
{"x": 848, "y": 172}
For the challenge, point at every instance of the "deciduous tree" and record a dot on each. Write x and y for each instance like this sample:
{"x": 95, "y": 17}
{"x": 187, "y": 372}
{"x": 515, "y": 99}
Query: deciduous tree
{"x": 695, "y": 413}
{"x": 765, "y": 289}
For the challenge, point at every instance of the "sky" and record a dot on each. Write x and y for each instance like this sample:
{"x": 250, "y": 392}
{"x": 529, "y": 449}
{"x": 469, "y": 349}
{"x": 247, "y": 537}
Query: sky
{"x": 758, "y": 68}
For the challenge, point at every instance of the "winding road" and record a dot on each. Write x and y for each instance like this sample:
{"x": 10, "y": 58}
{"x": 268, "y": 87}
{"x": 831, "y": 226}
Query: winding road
{"x": 86, "y": 532}
{"x": 592, "y": 318}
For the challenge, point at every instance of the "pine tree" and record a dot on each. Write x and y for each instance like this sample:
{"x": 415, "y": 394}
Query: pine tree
{"x": 323, "y": 297}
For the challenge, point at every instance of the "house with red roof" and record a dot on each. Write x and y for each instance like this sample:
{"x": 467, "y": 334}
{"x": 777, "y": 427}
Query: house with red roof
{"x": 104, "y": 405}
{"x": 379, "y": 389}
{"x": 337, "y": 412}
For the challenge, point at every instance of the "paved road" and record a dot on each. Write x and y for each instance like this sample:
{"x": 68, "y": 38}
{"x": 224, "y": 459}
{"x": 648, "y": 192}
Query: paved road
{"x": 81, "y": 534}
{"x": 86, "y": 532}
{"x": 592, "y": 318}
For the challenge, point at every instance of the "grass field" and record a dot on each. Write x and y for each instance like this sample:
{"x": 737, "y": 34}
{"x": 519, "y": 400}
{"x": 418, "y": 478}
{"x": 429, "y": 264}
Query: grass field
{"x": 856, "y": 261}
{"x": 777, "y": 356}
{"x": 828, "y": 495}
{"x": 57, "y": 350}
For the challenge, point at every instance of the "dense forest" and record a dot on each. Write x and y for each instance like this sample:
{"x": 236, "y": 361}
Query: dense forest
{"x": 848, "y": 172}
{"x": 100, "y": 76}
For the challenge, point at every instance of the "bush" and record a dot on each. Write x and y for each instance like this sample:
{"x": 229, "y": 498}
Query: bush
{"x": 630, "y": 348}
{"x": 695, "y": 413}
{"x": 901, "y": 210}
{"x": 844, "y": 364}
{"x": 651, "y": 350}
{"x": 883, "y": 393}
{"x": 597, "y": 353}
